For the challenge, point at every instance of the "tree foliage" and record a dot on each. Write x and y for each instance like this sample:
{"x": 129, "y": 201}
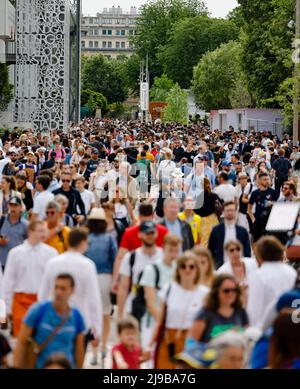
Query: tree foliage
{"x": 104, "y": 76}
{"x": 176, "y": 110}
{"x": 6, "y": 89}
{"x": 154, "y": 25}
{"x": 189, "y": 40}
{"x": 93, "y": 100}
{"x": 266, "y": 47}
{"x": 217, "y": 79}
{"x": 160, "y": 88}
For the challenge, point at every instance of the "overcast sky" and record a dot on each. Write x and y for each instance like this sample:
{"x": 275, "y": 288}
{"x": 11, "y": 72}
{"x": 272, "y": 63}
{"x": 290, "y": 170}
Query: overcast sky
{"x": 218, "y": 8}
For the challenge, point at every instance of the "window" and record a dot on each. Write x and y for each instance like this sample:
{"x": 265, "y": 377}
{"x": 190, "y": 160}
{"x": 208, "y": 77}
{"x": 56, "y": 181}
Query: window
{"x": 107, "y": 21}
{"x": 130, "y": 32}
{"x": 120, "y": 21}
{"x": 118, "y": 32}
{"x": 90, "y": 32}
{"x": 90, "y": 44}
{"x": 122, "y": 32}
{"x": 131, "y": 21}
{"x": 91, "y": 21}
{"x": 103, "y": 32}
{"x": 104, "y": 45}
{"x": 96, "y": 32}
{"x": 109, "y": 32}
{"x": 117, "y": 45}
{"x": 96, "y": 44}
{"x": 109, "y": 44}
{"x": 122, "y": 45}
{"x": 82, "y": 43}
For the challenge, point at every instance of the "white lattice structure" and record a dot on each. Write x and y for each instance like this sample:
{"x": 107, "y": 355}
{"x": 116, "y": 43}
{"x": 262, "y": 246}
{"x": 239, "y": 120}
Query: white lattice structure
{"x": 43, "y": 63}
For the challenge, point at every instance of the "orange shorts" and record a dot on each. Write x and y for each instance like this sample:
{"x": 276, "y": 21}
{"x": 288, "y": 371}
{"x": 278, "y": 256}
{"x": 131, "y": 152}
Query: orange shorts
{"x": 21, "y": 303}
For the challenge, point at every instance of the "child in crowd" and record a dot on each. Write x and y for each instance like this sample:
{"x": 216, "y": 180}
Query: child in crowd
{"x": 127, "y": 354}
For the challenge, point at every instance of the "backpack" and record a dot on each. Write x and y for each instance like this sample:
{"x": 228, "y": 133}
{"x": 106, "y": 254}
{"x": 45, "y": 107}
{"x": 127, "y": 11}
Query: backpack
{"x": 139, "y": 306}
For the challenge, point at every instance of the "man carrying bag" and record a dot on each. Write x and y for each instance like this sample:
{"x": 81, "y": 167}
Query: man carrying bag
{"x": 52, "y": 327}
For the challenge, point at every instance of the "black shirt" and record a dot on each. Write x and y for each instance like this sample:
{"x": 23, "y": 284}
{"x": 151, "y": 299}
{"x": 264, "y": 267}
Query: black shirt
{"x": 190, "y": 155}
{"x": 282, "y": 167}
{"x": 260, "y": 198}
{"x": 92, "y": 164}
{"x": 178, "y": 153}
{"x": 74, "y": 199}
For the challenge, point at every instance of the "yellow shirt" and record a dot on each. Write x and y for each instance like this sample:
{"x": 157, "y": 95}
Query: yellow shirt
{"x": 149, "y": 157}
{"x": 195, "y": 224}
{"x": 60, "y": 241}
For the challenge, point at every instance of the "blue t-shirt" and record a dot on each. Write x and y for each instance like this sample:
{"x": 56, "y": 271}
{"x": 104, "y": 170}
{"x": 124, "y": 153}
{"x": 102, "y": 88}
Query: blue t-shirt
{"x": 43, "y": 318}
{"x": 102, "y": 251}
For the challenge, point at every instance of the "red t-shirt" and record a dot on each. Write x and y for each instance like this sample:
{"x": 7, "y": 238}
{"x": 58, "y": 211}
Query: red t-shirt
{"x": 131, "y": 241}
{"x": 130, "y": 357}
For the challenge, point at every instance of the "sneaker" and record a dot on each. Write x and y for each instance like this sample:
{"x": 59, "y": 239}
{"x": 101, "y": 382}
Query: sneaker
{"x": 94, "y": 361}
{"x": 103, "y": 356}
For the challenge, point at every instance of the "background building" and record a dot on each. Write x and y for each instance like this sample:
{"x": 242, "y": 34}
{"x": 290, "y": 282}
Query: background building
{"x": 8, "y": 48}
{"x": 250, "y": 119}
{"x": 108, "y": 33}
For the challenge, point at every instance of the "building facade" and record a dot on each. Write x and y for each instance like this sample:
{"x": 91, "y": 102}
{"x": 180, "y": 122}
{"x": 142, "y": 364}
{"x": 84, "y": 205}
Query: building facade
{"x": 47, "y": 63}
{"x": 109, "y": 32}
{"x": 250, "y": 119}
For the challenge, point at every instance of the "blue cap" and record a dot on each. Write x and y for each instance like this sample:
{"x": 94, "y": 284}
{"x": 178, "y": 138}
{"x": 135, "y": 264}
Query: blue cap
{"x": 225, "y": 163}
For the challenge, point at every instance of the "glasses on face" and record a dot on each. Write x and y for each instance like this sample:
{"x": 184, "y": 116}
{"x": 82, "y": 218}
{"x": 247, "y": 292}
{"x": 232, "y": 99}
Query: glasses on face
{"x": 66, "y": 181}
{"x": 285, "y": 188}
{"x": 229, "y": 290}
{"x": 233, "y": 249}
{"x": 50, "y": 213}
{"x": 189, "y": 267}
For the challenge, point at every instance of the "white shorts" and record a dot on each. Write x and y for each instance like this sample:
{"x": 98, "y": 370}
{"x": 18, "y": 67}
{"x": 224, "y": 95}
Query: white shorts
{"x": 105, "y": 282}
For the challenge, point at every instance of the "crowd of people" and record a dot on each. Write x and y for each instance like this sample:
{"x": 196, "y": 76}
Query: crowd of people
{"x": 154, "y": 231}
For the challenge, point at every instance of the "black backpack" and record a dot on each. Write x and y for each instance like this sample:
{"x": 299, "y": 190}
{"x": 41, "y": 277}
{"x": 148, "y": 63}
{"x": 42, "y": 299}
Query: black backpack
{"x": 139, "y": 306}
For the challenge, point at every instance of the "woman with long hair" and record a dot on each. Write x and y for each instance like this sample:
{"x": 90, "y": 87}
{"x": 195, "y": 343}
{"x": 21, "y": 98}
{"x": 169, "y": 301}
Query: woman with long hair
{"x": 26, "y": 189}
{"x": 102, "y": 251}
{"x": 209, "y": 219}
{"x": 180, "y": 301}
{"x": 206, "y": 265}
{"x": 114, "y": 226}
{"x": 223, "y": 310}
{"x": 123, "y": 208}
{"x": 8, "y": 190}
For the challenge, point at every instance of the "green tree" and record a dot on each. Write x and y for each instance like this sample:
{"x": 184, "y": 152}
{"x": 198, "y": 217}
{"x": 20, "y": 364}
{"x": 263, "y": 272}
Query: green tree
{"x": 176, "y": 110}
{"x": 266, "y": 47}
{"x": 102, "y": 75}
{"x": 93, "y": 100}
{"x": 189, "y": 40}
{"x": 6, "y": 89}
{"x": 217, "y": 79}
{"x": 160, "y": 88}
{"x": 154, "y": 24}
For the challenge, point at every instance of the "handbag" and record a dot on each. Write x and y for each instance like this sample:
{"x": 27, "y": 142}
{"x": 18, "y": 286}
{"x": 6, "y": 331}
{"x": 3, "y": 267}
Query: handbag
{"x": 33, "y": 349}
{"x": 293, "y": 252}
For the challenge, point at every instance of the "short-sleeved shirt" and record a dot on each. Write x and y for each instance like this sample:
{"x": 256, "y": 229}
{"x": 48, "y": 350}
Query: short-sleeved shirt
{"x": 16, "y": 234}
{"x": 182, "y": 304}
{"x": 217, "y": 323}
{"x": 40, "y": 203}
{"x": 43, "y": 318}
{"x": 131, "y": 241}
{"x": 260, "y": 198}
{"x": 131, "y": 357}
{"x": 60, "y": 241}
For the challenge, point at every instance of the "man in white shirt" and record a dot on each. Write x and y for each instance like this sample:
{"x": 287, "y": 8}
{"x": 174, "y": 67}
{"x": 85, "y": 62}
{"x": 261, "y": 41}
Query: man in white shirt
{"x": 24, "y": 270}
{"x": 134, "y": 263}
{"x": 86, "y": 296}
{"x": 270, "y": 281}
{"x": 42, "y": 198}
{"x": 225, "y": 190}
{"x": 87, "y": 196}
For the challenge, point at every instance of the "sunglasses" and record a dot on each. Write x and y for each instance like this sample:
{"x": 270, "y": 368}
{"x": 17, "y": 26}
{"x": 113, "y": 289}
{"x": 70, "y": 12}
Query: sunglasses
{"x": 66, "y": 181}
{"x": 229, "y": 290}
{"x": 50, "y": 213}
{"x": 189, "y": 267}
{"x": 235, "y": 249}
{"x": 285, "y": 188}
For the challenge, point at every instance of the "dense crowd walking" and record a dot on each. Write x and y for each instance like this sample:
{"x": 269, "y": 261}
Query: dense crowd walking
{"x": 164, "y": 228}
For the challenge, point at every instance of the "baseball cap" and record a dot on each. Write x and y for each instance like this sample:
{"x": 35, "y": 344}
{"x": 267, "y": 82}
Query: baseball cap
{"x": 95, "y": 151}
{"x": 225, "y": 163}
{"x": 15, "y": 200}
{"x": 148, "y": 227}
